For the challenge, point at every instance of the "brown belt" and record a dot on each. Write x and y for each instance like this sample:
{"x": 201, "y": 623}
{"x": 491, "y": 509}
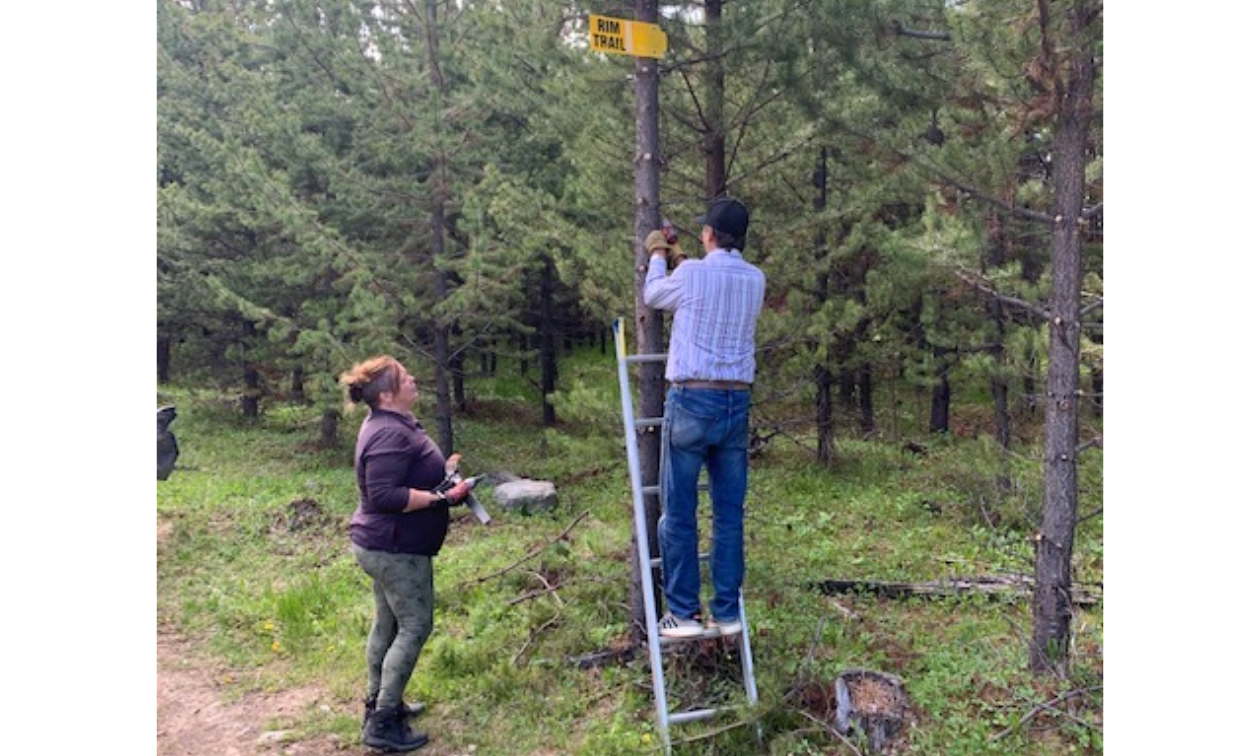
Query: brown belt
{"x": 718, "y": 385}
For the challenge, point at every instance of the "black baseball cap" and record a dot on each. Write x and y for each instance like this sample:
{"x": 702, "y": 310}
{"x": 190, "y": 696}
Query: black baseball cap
{"x": 727, "y": 215}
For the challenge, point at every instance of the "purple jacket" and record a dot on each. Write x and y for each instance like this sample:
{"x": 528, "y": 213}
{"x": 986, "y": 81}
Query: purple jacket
{"x": 393, "y": 455}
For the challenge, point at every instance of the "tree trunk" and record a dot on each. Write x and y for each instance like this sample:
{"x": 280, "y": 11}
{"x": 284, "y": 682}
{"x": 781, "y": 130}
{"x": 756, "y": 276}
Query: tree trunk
{"x": 250, "y": 402}
{"x": 457, "y": 371}
{"x": 441, "y": 340}
{"x": 846, "y": 385}
{"x": 163, "y": 359}
{"x": 548, "y": 354}
{"x": 649, "y": 323}
{"x": 866, "y": 398}
{"x": 250, "y": 398}
{"x": 1031, "y": 367}
{"x": 824, "y": 420}
{"x": 297, "y": 384}
{"x": 437, "y": 236}
{"x": 488, "y": 361}
{"x": 328, "y": 428}
{"x": 1052, "y": 602}
{"x": 1096, "y": 381}
{"x": 1000, "y": 390}
{"x": 714, "y": 144}
{"x": 939, "y": 422}
{"x": 999, "y": 385}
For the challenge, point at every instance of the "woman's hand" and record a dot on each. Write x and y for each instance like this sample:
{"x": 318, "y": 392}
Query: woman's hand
{"x": 452, "y": 463}
{"x": 458, "y": 493}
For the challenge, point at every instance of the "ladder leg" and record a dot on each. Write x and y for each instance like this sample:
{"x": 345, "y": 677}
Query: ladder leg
{"x": 745, "y": 655}
{"x": 746, "y": 662}
{"x": 640, "y": 523}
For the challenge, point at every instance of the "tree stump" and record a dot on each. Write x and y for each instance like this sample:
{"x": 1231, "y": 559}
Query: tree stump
{"x": 875, "y": 703}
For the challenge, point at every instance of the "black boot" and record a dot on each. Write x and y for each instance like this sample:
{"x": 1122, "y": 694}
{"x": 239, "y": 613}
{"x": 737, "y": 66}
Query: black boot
{"x": 406, "y": 710}
{"x": 387, "y": 731}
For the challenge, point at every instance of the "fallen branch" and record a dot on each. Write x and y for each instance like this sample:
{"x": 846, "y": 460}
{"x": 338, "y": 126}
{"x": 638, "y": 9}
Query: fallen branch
{"x": 600, "y": 659}
{"x": 713, "y": 733}
{"x": 1001, "y": 585}
{"x": 829, "y": 728}
{"x": 1044, "y": 705}
{"x": 532, "y": 636}
{"x": 563, "y": 535}
{"x": 549, "y": 588}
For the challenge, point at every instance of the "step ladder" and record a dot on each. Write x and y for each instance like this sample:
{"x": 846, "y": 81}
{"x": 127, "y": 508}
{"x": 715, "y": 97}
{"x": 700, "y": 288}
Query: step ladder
{"x": 665, "y": 717}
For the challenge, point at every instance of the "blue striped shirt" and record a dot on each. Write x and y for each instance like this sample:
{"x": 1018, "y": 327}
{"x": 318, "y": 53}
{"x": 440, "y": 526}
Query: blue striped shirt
{"x": 715, "y": 301}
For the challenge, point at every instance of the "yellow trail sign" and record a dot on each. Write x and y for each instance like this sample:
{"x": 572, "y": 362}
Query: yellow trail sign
{"x": 624, "y": 37}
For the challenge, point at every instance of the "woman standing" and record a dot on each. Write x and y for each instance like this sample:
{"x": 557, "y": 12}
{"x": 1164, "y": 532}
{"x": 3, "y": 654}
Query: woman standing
{"x": 397, "y": 529}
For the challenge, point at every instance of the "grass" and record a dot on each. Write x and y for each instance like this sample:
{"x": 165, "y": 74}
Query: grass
{"x": 255, "y": 564}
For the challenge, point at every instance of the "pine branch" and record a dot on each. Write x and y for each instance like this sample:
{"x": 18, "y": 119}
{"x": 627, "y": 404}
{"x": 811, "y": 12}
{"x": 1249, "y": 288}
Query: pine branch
{"x": 1019, "y": 212}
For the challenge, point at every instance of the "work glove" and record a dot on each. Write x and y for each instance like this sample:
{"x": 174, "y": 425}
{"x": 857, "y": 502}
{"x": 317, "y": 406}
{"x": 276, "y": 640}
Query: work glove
{"x": 673, "y": 252}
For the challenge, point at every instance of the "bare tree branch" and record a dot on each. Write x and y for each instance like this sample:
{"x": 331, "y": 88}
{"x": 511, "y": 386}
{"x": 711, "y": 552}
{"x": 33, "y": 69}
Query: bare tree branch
{"x": 532, "y": 636}
{"x": 1093, "y": 305}
{"x": 986, "y": 288}
{"x": 829, "y": 728}
{"x": 1042, "y": 706}
{"x": 905, "y": 31}
{"x": 564, "y": 534}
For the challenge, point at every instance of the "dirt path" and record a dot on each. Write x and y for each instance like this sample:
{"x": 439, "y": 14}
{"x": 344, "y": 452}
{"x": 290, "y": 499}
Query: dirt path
{"x": 195, "y": 718}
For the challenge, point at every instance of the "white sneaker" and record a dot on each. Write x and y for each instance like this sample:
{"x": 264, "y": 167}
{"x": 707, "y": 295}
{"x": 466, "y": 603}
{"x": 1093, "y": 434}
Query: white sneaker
{"x": 680, "y": 627}
{"x": 725, "y": 627}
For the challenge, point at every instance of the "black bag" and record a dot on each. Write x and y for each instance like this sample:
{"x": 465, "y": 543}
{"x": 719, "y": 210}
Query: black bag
{"x": 168, "y": 449}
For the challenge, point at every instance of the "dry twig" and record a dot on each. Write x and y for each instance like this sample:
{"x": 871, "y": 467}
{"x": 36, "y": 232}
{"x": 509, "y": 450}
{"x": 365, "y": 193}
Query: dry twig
{"x": 533, "y": 635}
{"x": 1044, "y": 705}
{"x": 563, "y": 535}
{"x": 832, "y": 730}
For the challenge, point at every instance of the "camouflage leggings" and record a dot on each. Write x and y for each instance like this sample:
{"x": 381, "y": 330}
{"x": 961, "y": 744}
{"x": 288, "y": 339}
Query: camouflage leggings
{"x": 403, "y": 586}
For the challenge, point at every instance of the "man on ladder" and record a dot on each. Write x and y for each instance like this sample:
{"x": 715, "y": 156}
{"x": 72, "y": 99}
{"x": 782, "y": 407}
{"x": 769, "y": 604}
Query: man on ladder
{"x": 715, "y": 303}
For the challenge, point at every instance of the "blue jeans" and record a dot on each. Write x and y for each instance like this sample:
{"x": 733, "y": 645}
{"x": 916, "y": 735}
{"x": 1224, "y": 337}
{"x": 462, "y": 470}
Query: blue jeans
{"x": 709, "y": 428}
